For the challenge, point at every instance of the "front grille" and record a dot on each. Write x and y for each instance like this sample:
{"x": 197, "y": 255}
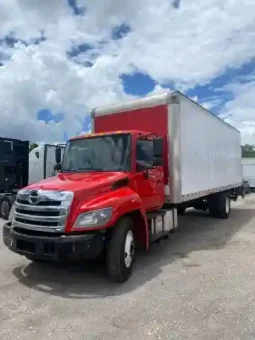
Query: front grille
{"x": 49, "y": 216}
{"x": 38, "y": 233}
{"x": 39, "y": 213}
{"x": 42, "y": 203}
{"x": 38, "y": 223}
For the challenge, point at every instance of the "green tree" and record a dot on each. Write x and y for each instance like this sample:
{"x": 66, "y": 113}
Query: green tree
{"x": 32, "y": 146}
{"x": 248, "y": 150}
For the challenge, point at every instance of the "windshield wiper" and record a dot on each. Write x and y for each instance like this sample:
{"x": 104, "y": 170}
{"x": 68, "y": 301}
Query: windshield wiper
{"x": 87, "y": 170}
{"x": 90, "y": 169}
{"x": 68, "y": 170}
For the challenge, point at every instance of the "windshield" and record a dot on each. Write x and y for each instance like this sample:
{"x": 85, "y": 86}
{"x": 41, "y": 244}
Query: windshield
{"x": 102, "y": 153}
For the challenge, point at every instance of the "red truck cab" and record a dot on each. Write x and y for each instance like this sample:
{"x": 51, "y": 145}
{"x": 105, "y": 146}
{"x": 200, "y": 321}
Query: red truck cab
{"x": 108, "y": 191}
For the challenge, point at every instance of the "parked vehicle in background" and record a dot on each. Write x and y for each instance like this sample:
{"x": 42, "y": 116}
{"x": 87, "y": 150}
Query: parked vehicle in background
{"x": 19, "y": 167}
{"x": 121, "y": 186}
{"x": 42, "y": 162}
{"x": 13, "y": 171}
{"x": 249, "y": 171}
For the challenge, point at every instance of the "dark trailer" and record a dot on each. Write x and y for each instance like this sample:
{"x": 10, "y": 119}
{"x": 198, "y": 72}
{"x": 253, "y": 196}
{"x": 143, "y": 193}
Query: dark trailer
{"x": 13, "y": 171}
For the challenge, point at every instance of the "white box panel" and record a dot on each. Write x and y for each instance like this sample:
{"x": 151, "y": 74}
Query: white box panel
{"x": 210, "y": 150}
{"x": 249, "y": 170}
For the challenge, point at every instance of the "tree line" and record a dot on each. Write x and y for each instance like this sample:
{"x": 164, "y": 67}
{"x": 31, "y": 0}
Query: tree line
{"x": 32, "y": 146}
{"x": 248, "y": 150}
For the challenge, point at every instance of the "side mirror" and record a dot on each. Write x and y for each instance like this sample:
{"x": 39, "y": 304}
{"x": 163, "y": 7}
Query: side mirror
{"x": 158, "y": 147}
{"x": 57, "y": 167}
{"x": 58, "y": 155}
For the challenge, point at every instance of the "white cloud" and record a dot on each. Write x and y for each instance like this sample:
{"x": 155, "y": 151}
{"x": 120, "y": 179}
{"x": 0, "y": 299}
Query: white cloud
{"x": 240, "y": 111}
{"x": 157, "y": 90}
{"x": 189, "y": 46}
{"x": 27, "y": 18}
{"x": 212, "y": 103}
{"x": 36, "y": 78}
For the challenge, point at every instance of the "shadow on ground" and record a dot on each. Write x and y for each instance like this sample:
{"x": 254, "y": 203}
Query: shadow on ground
{"x": 196, "y": 232}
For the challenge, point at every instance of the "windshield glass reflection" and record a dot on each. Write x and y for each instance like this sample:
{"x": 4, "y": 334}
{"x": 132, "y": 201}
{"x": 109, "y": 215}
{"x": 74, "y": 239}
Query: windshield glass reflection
{"x": 101, "y": 153}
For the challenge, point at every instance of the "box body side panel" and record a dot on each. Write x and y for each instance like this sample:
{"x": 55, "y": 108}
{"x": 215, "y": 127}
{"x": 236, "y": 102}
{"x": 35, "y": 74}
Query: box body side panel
{"x": 210, "y": 152}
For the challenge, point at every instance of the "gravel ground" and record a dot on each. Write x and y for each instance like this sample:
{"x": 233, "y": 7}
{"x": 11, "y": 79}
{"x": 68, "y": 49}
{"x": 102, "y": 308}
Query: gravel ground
{"x": 199, "y": 284}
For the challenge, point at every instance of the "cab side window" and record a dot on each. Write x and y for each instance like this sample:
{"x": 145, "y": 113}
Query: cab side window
{"x": 144, "y": 154}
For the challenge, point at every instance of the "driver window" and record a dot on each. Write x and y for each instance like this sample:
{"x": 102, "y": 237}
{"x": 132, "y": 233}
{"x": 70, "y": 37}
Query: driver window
{"x": 144, "y": 154}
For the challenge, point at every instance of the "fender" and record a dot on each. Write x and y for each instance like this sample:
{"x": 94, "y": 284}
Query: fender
{"x": 124, "y": 201}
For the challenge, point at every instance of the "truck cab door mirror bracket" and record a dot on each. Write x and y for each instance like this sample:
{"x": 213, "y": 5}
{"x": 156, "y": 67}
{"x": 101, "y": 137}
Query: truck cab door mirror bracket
{"x": 58, "y": 167}
{"x": 158, "y": 147}
{"x": 58, "y": 155}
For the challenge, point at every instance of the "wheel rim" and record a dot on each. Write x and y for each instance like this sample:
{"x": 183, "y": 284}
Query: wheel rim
{"x": 4, "y": 208}
{"x": 129, "y": 248}
{"x": 227, "y": 205}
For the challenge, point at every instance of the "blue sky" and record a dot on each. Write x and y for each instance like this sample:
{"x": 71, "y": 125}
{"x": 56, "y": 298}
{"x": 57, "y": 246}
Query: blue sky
{"x": 58, "y": 61}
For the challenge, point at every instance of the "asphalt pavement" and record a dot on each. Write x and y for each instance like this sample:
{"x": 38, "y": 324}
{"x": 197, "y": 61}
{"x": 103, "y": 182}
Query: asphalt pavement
{"x": 199, "y": 284}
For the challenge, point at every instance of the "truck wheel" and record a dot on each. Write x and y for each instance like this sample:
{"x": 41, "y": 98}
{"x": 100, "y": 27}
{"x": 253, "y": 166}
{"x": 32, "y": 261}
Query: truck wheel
{"x": 5, "y": 207}
{"x": 224, "y": 206}
{"x": 120, "y": 251}
{"x": 219, "y": 206}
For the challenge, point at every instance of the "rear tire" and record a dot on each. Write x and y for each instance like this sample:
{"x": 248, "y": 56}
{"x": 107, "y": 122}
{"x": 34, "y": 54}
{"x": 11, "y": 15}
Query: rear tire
{"x": 120, "y": 251}
{"x": 5, "y": 207}
{"x": 219, "y": 206}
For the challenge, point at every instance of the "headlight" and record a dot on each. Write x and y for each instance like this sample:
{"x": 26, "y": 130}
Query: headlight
{"x": 95, "y": 218}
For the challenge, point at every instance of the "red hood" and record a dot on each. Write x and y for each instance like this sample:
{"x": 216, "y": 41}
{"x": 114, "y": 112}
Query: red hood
{"x": 79, "y": 181}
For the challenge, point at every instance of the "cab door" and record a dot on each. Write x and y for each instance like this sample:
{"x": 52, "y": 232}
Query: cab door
{"x": 149, "y": 179}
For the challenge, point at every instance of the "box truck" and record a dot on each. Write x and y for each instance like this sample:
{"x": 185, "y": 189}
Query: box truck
{"x": 249, "y": 172}
{"x": 120, "y": 187}
{"x": 19, "y": 167}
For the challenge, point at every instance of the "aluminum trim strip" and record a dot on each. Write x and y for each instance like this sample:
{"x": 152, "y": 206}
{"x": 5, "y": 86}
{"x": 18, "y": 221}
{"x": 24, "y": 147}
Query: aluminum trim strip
{"x": 141, "y": 103}
{"x": 50, "y": 229}
{"x": 39, "y": 207}
{"x": 38, "y": 218}
{"x": 203, "y": 193}
{"x": 174, "y": 149}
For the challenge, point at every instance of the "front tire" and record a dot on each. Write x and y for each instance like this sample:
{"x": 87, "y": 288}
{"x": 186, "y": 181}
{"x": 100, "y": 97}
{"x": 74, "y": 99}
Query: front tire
{"x": 5, "y": 207}
{"x": 120, "y": 251}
